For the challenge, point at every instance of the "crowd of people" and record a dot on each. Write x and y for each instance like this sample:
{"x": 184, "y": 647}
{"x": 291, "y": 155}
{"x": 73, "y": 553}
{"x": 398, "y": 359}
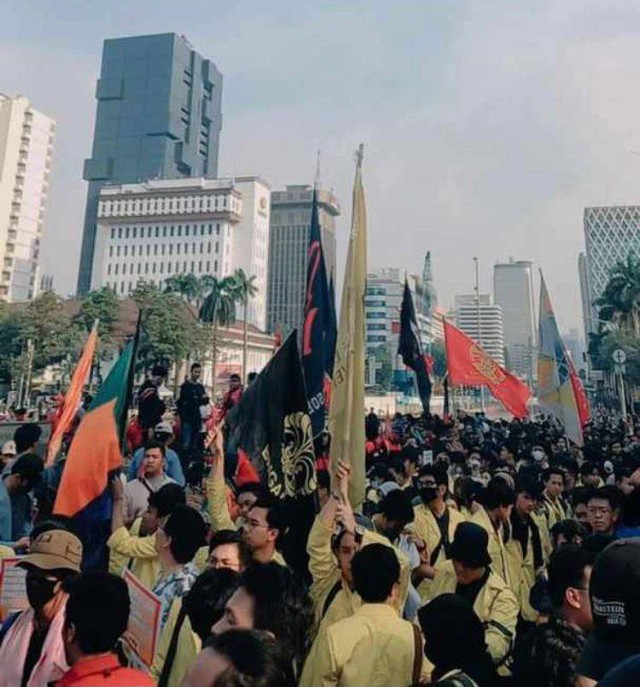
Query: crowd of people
{"x": 485, "y": 553}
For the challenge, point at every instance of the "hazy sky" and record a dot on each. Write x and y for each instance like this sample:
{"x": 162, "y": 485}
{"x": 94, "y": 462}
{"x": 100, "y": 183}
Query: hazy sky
{"x": 488, "y": 124}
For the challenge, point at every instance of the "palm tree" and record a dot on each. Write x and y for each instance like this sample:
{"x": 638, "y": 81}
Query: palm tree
{"x": 246, "y": 289}
{"x": 218, "y": 309}
{"x": 620, "y": 300}
{"x": 187, "y": 285}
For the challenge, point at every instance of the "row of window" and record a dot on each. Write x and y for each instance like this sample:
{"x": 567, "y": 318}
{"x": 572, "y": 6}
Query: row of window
{"x": 376, "y": 338}
{"x": 165, "y": 231}
{"x": 181, "y": 204}
{"x": 159, "y": 267}
{"x": 160, "y": 249}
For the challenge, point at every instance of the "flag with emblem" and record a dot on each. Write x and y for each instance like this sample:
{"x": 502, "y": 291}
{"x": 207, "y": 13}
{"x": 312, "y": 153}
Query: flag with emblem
{"x": 557, "y": 380}
{"x": 468, "y": 364}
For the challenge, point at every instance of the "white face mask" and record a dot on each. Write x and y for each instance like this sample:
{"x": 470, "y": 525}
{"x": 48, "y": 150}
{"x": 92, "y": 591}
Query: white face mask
{"x": 537, "y": 455}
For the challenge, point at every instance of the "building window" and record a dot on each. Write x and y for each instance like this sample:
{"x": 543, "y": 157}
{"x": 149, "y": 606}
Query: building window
{"x": 201, "y": 248}
{"x": 186, "y": 230}
{"x": 127, "y": 233}
{"x": 193, "y": 266}
{"x": 162, "y": 249}
{"x": 148, "y": 250}
{"x": 171, "y": 249}
{"x": 155, "y": 249}
{"x": 179, "y": 230}
{"x": 218, "y": 229}
{"x": 113, "y": 232}
{"x": 210, "y": 229}
{"x": 135, "y": 232}
{"x": 139, "y": 267}
{"x": 121, "y": 287}
{"x": 146, "y": 268}
{"x": 157, "y": 232}
{"x": 115, "y": 268}
{"x": 119, "y": 232}
{"x": 171, "y": 231}
{"x": 208, "y": 266}
{"x": 109, "y": 268}
{"x": 178, "y": 249}
{"x": 110, "y": 251}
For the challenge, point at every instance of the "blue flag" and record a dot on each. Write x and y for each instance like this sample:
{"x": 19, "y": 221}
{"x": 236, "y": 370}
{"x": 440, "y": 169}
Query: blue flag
{"x": 317, "y": 337}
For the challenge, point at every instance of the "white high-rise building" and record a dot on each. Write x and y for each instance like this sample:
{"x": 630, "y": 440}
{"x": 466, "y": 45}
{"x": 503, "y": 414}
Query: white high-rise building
{"x": 610, "y": 234}
{"x": 161, "y": 228}
{"x": 481, "y": 319}
{"x": 26, "y": 141}
{"x": 513, "y": 292}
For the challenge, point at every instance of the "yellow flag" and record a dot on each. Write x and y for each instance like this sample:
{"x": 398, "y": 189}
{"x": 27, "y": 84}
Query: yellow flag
{"x": 346, "y": 412}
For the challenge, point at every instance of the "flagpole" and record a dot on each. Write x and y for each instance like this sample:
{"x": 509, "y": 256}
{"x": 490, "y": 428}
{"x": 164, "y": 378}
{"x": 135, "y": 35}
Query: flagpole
{"x": 479, "y": 320}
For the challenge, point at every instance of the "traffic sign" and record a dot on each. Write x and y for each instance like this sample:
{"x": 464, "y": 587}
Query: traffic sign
{"x": 619, "y": 356}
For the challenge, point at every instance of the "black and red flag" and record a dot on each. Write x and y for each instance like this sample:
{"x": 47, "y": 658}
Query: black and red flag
{"x": 410, "y": 348}
{"x": 318, "y": 338}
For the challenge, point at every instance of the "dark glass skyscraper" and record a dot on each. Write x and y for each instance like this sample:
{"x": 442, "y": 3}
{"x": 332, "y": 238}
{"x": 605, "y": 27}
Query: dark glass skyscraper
{"x": 159, "y": 117}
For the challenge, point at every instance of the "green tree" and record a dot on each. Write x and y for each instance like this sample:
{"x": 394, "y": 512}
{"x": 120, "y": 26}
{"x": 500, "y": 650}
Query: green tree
{"x": 188, "y": 286}
{"x": 218, "y": 310}
{"x": 620, "y": 300}
{"x": 245, "y": 290}
{"x": 10, "y": 341}
{"x": 170, "y": 330}
{"x": 101, "y": 305}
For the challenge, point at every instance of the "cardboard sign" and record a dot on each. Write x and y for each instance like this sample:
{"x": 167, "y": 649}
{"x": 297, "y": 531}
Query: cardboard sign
{"x": 13, "y": 590}
{"x": 144, "y": 619}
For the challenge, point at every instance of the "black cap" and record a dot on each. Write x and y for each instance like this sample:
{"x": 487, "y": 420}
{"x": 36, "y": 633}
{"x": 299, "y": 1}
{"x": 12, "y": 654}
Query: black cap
{"x": 615, "y": 605}
{"x": 469, "y": 546}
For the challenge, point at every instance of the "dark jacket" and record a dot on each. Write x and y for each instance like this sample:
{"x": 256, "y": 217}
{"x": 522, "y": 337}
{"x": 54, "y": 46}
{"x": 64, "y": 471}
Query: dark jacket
{"x": 192, "y": 397}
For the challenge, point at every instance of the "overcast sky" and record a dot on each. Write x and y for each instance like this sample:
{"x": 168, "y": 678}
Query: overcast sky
{"x": 489, "y": 124}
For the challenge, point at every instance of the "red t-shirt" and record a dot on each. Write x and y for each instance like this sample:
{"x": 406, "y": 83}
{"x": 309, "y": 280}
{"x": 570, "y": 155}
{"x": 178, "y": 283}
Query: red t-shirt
{"x": 94, "y": 671}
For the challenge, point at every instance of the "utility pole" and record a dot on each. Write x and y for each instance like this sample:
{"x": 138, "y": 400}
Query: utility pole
{"x": 478, "y": 320}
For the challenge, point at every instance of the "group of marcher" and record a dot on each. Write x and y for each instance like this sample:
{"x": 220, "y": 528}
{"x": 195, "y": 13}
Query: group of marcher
{"x": 485, "y": 553}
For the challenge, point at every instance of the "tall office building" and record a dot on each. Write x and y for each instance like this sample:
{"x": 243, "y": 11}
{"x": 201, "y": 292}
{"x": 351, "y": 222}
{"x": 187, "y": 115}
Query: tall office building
{"x": 610, "y": 234}
{"x": 26, "y": 140}
{"x": 481, "y": 319}
{"x": 161, "y": 228}
{"x": 288, "y": 243}
{"x": 158, "y": 117}
{"x": 513, "y": 292}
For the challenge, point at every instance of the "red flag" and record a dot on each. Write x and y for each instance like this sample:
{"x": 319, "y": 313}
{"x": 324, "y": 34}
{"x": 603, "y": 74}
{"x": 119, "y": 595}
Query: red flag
{"x": 429, "y": 362}
{"x": 584, "y": 410}
{"x": 469, "y": 364}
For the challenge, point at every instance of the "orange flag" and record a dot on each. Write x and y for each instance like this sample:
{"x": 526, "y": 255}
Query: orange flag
{"x": 73, "y": 396}
{"x": 468, "y": 364}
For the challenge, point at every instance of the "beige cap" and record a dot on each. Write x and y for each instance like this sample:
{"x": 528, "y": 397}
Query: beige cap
{"x": 54, "y": 549}
{"x": 9, "y": 448}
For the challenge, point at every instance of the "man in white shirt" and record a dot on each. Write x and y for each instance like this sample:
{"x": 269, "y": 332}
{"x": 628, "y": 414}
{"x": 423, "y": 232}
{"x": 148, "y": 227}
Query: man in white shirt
{"x": 136, "y": 492}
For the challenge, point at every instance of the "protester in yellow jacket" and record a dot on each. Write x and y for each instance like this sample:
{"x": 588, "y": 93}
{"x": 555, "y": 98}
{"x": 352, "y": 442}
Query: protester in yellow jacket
{"x": 373, "y": 647}
{"x": 553, "y": 506}
{"x": 493, "y": 516}
{"x": 189, "y": 623}
{"x": 469, "y": 575}
{"x": 529, "y": 546}
{"x": 333, "y": 540}
{"x": 435, "y": 524}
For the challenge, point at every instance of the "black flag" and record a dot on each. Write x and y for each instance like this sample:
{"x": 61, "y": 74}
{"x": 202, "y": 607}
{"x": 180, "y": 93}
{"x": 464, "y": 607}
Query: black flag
{"x": 410, "y": 348}
{"x": 272, "y": 426}
{"x": 317, "y": 329}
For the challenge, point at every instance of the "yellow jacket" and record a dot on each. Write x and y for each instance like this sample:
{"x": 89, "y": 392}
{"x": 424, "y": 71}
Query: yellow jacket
{"x": 521, "y": 566}
{"x": 188, "y": 648}
{"x": 325, "y": 574}
{"x": 128, "y": 549}
{"x": 142, "y": 553}
{"x": 554, "y": 511}
{"x": 426, "y": 527}
{"x": 217, "y": 505}
{"x": 6, "y": 552}
{"x": 495, "y": 605}
{"x": 372, "y": 648}
{"x": 496, "y": 544}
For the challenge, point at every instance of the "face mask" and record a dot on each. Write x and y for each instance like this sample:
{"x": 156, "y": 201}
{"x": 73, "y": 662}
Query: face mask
{"x": 428, "y": 494}
{"x": 537, "y": 455}
{"x": 39, "y": 591}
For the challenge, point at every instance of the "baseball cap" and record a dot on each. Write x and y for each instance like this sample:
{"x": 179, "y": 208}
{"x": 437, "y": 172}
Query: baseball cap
{"x": 163, "y": 428}
{"x": 9, "y": 448}
{"x": 54, "y": 550}
{"x": 615, "y": 605}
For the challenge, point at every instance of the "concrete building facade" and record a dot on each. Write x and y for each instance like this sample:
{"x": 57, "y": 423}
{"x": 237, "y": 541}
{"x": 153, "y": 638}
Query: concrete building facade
{"x": 513, "y": 292}
{"x": 158, "y": 229}
{"x": 481, "y": 319}
{"x": 288, "y": 244}
{"x": 26, "y": 143}
{"x": 158, "y": 117}
{"x": 610, "y": 234}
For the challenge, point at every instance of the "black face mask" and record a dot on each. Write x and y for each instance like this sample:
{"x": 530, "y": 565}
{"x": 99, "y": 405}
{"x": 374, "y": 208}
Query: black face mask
{"x": 39, "y": 591}
{"x": 428, "y": 494}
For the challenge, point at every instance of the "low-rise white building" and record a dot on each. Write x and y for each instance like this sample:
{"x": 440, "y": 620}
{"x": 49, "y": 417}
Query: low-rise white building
{"x": 481, "y": 319}
{"x": 161, "y": 228}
